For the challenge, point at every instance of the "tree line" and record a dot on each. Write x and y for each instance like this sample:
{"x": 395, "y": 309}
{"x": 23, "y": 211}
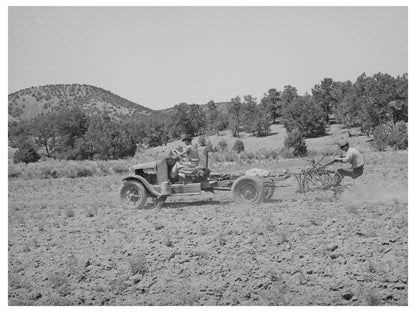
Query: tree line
{"x": 371, "y": 103}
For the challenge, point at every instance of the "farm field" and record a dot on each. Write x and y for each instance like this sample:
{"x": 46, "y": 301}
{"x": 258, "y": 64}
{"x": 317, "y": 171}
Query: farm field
{"x": 70, "y": 243}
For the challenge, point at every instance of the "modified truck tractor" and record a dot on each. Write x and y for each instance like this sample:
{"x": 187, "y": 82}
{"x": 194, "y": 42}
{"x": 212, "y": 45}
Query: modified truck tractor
{"x": 153, "y": 180}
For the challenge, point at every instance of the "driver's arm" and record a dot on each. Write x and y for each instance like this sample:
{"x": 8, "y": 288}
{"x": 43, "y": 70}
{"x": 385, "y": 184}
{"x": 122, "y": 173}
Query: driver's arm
{"x": 185, "y": 151}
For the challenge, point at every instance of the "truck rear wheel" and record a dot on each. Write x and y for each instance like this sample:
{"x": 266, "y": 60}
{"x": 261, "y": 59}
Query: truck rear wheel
{"x": 248, "y": 190}
{"x": 133, "y": 195}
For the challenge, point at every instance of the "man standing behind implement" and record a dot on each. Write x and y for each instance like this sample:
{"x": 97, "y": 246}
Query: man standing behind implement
{"x": 350, "y": 155}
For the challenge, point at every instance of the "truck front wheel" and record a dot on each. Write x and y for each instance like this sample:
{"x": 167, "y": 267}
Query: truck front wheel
{"x": 133, "y": 195}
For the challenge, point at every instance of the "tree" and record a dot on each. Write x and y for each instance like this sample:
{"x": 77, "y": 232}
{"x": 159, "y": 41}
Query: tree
{"x": 262, "y": 121}
{"x": 323, "y": 95}
{"x": 249, "y": 113}
{"x": 106, "y": 139}
{"x": 399, "y": 106}
{"x": 212, "y": 116}
{"x": 188, "y": 119}
{"x": 197, "y": 120}
{"x": 272, "y": 103}
{"x": 235, "y": 116}
{"x": 289, "y": 94}
{"x": 44, "y": 130}
{"x": 305, "y": 115}
{"x": 379, "y": 91}
{"x": 156, "y": 134}
{"x": 135, "y": 129}
{"x": 19, "y": 132}
{"x": 71, "y": 123}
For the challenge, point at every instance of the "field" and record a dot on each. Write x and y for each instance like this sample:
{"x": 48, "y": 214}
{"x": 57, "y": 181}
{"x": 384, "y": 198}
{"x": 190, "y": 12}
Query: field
{"x": 70, "y": 243}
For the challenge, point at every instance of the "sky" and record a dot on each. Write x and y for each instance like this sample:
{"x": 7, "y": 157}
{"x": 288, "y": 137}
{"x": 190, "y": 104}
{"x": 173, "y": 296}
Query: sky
{"x": 162, "y": 56}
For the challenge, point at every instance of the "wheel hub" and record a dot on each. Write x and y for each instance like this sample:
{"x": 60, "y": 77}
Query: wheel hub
{"x": 132, "y": 195}
{"x": 248, "y": 192}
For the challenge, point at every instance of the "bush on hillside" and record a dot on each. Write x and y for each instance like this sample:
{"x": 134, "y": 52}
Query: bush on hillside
{"x": 238, "y": 146}
{"x": 26, "y": 153}
{"x": 222, "y": 145}
{"x": 381, "y": 136}
{"x": 202, "y": 140}
{"x": 286, "y": 152}
{"x": 296, "y": 141}
{"x": 399, "y": 136}
{"x": 274, "y": 154}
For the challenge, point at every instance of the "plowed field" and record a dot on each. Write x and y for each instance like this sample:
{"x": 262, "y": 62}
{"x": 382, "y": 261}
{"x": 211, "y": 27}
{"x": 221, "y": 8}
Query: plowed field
{"x": 70, "y": 243}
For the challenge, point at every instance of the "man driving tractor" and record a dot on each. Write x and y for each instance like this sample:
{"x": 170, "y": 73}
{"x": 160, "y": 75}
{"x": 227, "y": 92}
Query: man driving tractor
{"x": 350, "y": 155}
{"x": 189, "y": 158}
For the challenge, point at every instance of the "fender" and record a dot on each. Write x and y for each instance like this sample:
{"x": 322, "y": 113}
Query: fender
{"x": 146, "y": 184}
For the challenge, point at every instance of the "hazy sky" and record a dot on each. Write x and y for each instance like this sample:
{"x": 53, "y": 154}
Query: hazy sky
{"x": 161, "y": 56}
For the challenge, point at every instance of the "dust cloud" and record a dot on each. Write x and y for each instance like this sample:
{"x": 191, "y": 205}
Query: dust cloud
{"x": 376, "y": 194}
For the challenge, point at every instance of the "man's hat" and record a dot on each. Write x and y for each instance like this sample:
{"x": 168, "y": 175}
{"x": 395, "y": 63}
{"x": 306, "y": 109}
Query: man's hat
{"x": 342, "y": 142}
{"x": 187, "y": 138}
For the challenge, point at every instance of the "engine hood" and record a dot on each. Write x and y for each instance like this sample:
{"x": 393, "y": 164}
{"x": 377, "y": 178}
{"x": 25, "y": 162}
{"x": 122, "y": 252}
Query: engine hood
{"x": 148, "y": 165}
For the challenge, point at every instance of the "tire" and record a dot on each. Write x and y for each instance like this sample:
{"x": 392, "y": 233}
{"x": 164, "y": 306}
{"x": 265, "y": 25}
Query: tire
{"x": 133, "y": 195}
{"x": 248, "y": 190}
{"x": 268, "y": 192}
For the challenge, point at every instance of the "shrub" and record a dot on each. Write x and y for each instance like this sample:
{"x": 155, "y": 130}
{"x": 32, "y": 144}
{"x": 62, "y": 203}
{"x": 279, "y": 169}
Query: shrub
{"x": 250, "y": 155}
{"x": 120, "y": 168}
{"x": 274, "y": 154}
{"x": 286, "y": 152}
{"x": 230, "y": 157}
{"x": 381, "y": 136}
{"x": 313, "y": 153}
{"x": 202, "y": 140}
{"x": 243, "y": 156}
{"x": 399, "y": 137}
{"x": 265, "y": 154}
{"x": 296, "y": 141}
{"x": 222, "y": 145}
{"x": 72, "y": 169}
{"x": 238, "y": 146}
{"x": 26, "y": 153}
{"x": 15, "y": 170}
{"x": 211, "y": 147}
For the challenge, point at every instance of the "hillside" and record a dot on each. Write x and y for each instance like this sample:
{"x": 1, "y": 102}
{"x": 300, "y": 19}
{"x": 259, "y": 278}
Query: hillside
{"x": 275, "y": 141}
{"x": 29, "y": 102}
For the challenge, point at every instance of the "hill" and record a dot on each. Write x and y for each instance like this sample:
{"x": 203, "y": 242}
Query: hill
{"x": 29, "y": 102}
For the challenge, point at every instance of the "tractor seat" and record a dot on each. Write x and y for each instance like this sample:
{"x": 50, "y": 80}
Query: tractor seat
{"x": 196, "y": 174}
